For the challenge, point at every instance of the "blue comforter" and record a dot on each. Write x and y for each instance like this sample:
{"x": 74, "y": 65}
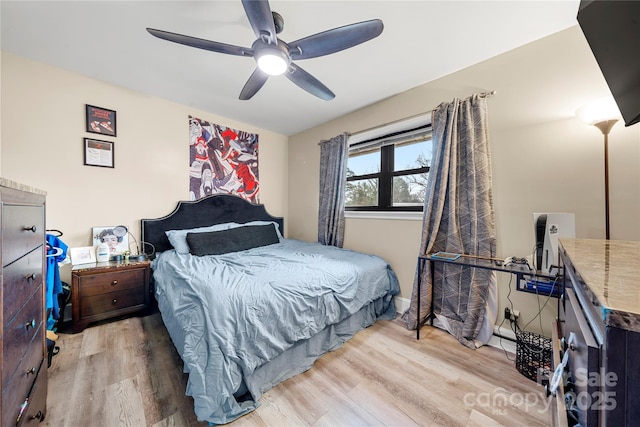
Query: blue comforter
{"x": 230, "y": 314}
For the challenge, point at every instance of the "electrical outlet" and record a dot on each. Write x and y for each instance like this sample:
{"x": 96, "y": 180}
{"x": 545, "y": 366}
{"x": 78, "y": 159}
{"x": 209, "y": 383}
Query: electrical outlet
{"x": 515, "y": 316}
{"x": 507, "y": 314}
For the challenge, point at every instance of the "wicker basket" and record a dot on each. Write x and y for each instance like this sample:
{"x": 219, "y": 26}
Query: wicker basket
{"x": 533, "y": 355}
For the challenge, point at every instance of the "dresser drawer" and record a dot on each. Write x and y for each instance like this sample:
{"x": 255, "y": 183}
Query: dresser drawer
{"x": 26, "y": 329}
{"x": 26, "y": 367}
{"x": 23, "y": 227}
{"x": 111, "y": 302}
{"x": 98, "y": 284}
{"x": 15, "y": 393}
{"x": 19, "y": 282}
{"x": 36, "y": 408}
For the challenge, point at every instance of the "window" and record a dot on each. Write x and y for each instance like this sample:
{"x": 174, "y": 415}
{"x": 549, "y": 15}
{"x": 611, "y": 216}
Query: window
{"x": 389, "y": 172}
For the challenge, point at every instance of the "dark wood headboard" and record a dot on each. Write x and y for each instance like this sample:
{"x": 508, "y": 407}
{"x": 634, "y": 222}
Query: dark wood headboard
{"x": 210, "y": 210}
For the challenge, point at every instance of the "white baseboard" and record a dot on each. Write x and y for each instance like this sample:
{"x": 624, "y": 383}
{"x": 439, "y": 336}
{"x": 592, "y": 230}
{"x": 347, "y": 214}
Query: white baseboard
{"x": 503, "y": 339}
{"x": 402, "y": 304}
{"x": 507, "y": 342}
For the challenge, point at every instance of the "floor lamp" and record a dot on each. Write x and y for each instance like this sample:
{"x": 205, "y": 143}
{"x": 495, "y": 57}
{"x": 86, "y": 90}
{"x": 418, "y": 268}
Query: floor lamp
{"x": 602, "y": 114}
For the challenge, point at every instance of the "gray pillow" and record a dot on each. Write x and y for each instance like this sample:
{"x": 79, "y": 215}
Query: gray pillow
{"x": 232, "y": 240}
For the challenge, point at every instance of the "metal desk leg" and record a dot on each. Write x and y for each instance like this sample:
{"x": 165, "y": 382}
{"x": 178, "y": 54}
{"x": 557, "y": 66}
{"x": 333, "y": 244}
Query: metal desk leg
{"x": 418, "y": 312}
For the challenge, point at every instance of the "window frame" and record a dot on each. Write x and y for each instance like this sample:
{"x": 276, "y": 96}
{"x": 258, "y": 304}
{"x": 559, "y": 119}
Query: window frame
{"x": 385, "y": 139}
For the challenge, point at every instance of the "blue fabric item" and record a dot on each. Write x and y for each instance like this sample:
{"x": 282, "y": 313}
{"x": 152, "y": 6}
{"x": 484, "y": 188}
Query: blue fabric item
{"x": 56, "y": 252}
{"x": 233, "y": 316}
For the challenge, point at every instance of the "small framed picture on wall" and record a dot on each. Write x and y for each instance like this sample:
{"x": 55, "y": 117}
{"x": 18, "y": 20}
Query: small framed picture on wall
{"x": 98, "y": 153}
{"x": 101, "y": 120}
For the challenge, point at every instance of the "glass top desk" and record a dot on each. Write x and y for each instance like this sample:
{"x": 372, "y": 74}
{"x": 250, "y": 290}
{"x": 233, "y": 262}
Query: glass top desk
{"x": 521, "y": 271}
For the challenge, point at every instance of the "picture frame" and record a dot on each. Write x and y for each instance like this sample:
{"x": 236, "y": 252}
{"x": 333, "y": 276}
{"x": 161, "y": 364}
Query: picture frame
{"x": 100, "y": 120}
{"x": 82, "y": 255}
{"x": 115, "y": 236}
{"x": 99, "y": 153}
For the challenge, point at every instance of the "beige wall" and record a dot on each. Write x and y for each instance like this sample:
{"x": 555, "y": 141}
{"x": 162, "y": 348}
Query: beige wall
{"x": 43, "y": 110}
{"x": 544, "y": 159}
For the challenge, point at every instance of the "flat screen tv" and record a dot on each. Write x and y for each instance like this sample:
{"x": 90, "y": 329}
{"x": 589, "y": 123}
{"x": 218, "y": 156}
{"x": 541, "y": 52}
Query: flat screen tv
{"x": 612, "y": 29}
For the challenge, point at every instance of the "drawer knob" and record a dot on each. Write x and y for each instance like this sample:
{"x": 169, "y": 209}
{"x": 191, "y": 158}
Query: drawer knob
{"x": 31, "y": 371}
{"x": 32, "y": 276}
{"x": 115, "y": 282}
{"x": 114, "y": 302}
{"x": 39, "y": 416}
{"x": 33, "y": 228}
{"x": 31, "y": 324}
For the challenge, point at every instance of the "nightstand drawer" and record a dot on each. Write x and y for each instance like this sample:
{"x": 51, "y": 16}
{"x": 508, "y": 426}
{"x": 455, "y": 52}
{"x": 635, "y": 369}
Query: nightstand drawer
{"x": 23, "y": 226}
{"x": 20, "y": 280}
{"x": 114, "y": 301}
{"x": 98, "y": 284}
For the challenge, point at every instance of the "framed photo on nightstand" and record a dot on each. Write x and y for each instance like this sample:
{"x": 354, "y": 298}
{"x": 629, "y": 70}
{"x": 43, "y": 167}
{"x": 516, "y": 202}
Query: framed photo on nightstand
{"x": 82, "y": 255}
{"x": 116, "y": 237}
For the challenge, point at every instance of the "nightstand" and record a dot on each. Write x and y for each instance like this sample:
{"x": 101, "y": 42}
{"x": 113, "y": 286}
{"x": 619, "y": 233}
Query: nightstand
{"x": 105, "y": 290}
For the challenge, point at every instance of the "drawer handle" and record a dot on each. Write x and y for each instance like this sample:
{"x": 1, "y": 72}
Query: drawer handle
{"x": 114, "y": 302}
{"x": 31, "y": 324}
{"x": 31, "y": 371}
{"x": 33, "y": 228}
{"x": 115, "y": 282}
{"x": 39, "y": 416}
{"x": 31, "y": 276}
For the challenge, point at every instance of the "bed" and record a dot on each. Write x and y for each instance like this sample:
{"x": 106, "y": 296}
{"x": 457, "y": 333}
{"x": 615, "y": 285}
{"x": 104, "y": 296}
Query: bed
{"x": 247, "y": 308}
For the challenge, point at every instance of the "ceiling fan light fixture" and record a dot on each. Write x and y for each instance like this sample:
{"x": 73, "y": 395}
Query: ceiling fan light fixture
{"x": 272, "y": 61}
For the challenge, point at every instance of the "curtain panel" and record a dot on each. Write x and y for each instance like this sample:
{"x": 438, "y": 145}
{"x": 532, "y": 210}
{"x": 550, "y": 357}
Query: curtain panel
{"x": 458, "y": 218}
{"x": 334, "y": 154}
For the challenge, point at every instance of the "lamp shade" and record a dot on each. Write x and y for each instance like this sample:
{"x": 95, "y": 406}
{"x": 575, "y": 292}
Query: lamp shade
{"x": 598, "y": 111}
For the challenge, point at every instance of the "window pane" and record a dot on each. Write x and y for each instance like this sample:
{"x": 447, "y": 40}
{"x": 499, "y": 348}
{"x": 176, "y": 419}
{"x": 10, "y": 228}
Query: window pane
{"x": 363, "y": 163}
{"x": 362, "y": 192}
{"x": 409, "y": 190}
{"x": 412, "y": 155}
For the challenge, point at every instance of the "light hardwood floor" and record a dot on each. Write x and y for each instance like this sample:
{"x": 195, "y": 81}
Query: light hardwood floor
{"x": 127, "y": 373}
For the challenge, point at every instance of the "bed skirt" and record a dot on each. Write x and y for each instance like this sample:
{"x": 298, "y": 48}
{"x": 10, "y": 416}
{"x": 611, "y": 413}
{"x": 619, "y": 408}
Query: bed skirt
{"x": 295, "y": 360}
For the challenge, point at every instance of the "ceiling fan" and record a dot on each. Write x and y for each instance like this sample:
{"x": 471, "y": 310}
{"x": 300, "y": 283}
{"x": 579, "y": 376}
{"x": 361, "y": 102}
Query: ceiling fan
{"x": 275, "y": 57}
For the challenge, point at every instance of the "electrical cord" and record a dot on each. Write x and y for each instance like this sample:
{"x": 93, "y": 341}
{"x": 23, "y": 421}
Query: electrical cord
{"x": 515, "y": 327}
{"x": 506, "y": 353}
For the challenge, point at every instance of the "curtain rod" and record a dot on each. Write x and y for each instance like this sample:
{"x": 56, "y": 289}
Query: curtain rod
{"x": 481, "y": 94}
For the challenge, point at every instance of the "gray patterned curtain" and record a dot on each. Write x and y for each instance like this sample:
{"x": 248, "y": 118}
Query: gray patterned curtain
{"x": 334, "y": 154}
{"x": 458, "y": 218}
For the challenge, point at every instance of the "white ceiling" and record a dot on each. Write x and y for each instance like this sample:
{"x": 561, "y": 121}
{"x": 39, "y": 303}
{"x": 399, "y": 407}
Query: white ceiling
{"x": 421, "y": 41}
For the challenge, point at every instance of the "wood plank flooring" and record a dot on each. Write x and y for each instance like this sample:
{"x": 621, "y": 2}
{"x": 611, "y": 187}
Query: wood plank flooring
{"x": 127, "y": 373}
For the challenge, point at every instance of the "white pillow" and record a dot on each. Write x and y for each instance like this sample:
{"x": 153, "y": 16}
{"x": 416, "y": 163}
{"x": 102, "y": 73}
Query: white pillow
{"x": 178, "y": 238}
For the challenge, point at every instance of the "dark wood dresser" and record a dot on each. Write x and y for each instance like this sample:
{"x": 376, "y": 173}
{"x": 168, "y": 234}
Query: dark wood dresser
{"x": 23, "y": 354}
{"x": 599, "y": 331}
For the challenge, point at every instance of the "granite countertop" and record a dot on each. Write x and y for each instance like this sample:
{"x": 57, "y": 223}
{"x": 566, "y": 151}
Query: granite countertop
{"x": 611, "y": 271}
{"x": 17, "y": 186}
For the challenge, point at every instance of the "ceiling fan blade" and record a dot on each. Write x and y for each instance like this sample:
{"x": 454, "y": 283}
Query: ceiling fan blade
{"x": 309, "y": 83}
{"x": 253, "y": 85}
{"x": 261, "y": 20}
{"x": 335, "y": 40}
{"x": 201, "y": 43}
